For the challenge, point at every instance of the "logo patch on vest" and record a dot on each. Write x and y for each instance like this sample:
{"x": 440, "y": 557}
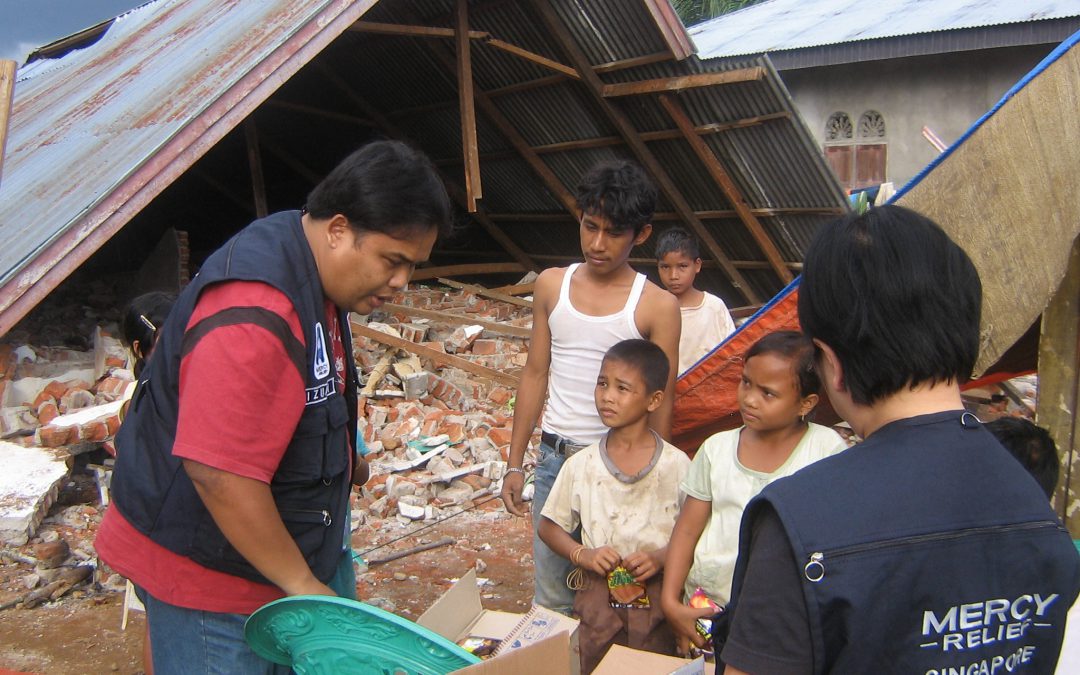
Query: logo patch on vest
{"x": 322, "y": 362}
{"x": 992, "y": 631}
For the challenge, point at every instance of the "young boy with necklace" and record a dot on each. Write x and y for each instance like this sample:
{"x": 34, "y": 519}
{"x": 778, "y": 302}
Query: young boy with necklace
{"x": 623, "y": 494}
{"x": 579, "y": 312}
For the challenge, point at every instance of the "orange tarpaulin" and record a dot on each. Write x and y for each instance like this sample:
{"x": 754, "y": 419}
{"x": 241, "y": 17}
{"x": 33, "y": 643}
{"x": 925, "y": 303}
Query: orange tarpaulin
{"x": 705, "y": 395}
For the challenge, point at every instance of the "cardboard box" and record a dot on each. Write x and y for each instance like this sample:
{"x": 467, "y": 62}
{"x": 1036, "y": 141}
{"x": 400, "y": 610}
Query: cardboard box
{"x": 458, "y": 614}
{"x": 621, "y": 660}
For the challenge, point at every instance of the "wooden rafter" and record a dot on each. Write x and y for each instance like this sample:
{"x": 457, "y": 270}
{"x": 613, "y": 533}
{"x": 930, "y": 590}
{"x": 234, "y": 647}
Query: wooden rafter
{"x": 440, "y": 358}
{"x": 659, "y": 135}
{"x": 651, "y": 262}
{"x": 731, "y": 191}
{"x": 452, "y": 188}
{"x": 682, "y": 82}
{"x": 423, "y": 273}
{"x": 668, "y": 215}
{"x": 258, "y": 184}
{"x": 550, "y": 180}
{"x": 287, "y": 158}
{"x": 486, "y": 292}
{"x": 320, "y": 112}
{"x": 483, "y": 36}
{"x": 458, "y": 319}
{"x": 470, "y": 152}
{"x": 7, "y": 92}
{"x": 637, "y": 145}
{"x": 400, "y": 29}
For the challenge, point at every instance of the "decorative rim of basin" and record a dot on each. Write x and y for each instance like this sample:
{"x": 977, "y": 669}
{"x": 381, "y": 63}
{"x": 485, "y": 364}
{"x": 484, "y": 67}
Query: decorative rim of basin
{"x": 317, "y": 634}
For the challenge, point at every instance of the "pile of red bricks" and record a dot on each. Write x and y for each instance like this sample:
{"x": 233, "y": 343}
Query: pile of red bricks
{"x": 41, "y": 389}
{"x": 443, "y": 443}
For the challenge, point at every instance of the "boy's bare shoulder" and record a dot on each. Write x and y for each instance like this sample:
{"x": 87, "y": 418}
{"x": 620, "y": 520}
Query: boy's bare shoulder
{"x": 547, "y": 287}
{"x": 660, "y": 301}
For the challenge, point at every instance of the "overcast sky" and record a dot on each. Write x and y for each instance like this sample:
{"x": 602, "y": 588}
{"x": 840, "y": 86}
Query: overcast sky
{"x": 28, "y": 24}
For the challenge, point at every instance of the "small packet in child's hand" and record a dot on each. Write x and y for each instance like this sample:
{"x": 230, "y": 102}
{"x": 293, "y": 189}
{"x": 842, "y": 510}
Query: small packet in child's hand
{"x": 700, "y": 601}
{"x": 624, "y": 590}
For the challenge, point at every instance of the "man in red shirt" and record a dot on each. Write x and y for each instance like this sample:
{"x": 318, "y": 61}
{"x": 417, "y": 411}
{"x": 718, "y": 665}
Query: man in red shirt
{"x": 234, "y": 466}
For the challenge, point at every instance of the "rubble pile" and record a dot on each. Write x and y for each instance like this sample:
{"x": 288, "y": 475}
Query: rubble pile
{"x": 437, "y": 401}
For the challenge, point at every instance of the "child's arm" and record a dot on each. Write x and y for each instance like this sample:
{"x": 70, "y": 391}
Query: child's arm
{"x": 645, "y": 565}
{"x": 693, "y": 517}
{"x": 531, "y": 391}
{"x": 599, "y": 560}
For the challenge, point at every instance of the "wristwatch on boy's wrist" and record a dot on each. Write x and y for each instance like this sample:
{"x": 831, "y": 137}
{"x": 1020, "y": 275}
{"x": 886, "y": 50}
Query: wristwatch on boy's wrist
{"x": 516, "y": 470}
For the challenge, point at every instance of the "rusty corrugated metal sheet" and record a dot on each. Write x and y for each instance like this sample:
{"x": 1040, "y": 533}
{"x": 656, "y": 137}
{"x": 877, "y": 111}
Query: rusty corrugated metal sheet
{"x": 127, "y": 113}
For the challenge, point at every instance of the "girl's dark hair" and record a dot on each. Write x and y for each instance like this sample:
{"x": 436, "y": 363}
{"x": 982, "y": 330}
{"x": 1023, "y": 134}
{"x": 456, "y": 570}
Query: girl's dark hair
{"x": 795, "y": 346}
{"x": 143, "y": 319}
{"x": 387, "y": 187}
{"x": 621, "y": 192}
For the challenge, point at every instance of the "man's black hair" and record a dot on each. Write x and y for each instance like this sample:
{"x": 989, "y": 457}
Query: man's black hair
{"x": 676, "y": 239}
{"x": 619, "y": 191}
{"x": 1032, "y": 446}
{"x": 895, "y": 298}
{"x": 646, "y": 357}
{"x": 795, "y": 346}
{"x": 387, "y": 187}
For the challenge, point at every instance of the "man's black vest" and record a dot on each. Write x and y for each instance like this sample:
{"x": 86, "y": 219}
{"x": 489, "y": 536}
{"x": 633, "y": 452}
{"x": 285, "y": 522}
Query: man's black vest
{"x": 312, "y": 483}
{"x": 925, "y": 549}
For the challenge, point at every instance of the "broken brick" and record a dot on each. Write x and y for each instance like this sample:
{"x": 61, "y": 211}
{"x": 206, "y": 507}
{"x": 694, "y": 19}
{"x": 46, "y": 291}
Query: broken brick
{"x": 94, "y": 432}
{"x": 47, "y": 411}
{"x": 485, "y": 347}
{"x": 500, "y": 396}
{"x": 499, "y": 436}
{"x": 54, "y": 437}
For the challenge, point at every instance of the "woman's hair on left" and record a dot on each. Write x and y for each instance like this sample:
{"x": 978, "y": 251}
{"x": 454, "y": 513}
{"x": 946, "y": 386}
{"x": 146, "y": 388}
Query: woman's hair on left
{"x": 646, "y": 357}
{"x": 795, "y": 346}
{"x": 143, "y": 319}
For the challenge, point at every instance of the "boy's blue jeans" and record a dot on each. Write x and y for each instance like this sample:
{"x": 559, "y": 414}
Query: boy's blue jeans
{"x": 185, "y": 641}
{"x": 549, "y": 588}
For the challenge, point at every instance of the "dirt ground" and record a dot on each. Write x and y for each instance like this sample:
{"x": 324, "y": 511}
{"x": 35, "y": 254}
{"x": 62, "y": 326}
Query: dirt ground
{"x": 80, "y": 633}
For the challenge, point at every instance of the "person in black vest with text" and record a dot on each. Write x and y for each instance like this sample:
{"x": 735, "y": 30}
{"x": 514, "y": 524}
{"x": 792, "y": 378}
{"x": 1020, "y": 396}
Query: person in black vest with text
{"x": 924, "y": 549}
{"x": 236, "y": 461}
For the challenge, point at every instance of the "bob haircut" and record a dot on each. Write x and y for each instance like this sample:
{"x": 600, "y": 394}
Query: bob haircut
{"x": 621, "y": 192}
{"x": 649, "y": 360}
{"x": 143, "y": 318}
{"x": 795, "y": 346}
{"x": 387, "y": 187}
{"x": 895, "y": 298}
{"x": 676, "y": 239}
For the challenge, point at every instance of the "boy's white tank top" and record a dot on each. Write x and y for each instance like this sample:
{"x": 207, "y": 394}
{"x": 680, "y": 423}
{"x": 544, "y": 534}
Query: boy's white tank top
{"x": 578, "y": 345}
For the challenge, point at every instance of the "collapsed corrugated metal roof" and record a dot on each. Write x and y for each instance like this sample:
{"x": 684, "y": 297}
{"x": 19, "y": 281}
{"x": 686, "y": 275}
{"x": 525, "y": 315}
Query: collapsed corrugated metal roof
{"x": 778, "y": 25}
{"x": 101, "y": 133}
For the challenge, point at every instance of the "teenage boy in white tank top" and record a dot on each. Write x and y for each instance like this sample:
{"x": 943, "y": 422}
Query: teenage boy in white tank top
{"x": 579, "y": 312}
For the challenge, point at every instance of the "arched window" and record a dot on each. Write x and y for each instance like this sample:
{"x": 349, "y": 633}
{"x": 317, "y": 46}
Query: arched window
{"x": 857, "y": 161}
{"x": 838, "y": 128}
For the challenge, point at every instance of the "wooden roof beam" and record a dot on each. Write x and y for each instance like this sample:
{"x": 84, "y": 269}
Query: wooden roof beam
{"x": 682, "y": 82}
{"x": 705, "y": 264}
{"x": 400, "y": 29}
{"x": 455, "y": 191}
{"x": 404, "y": 30}
{"x": 637, "y": 145}
{"x": 495, "y": 116}
{"x": 731, "y": 191}
{"x": 607, "y": 141}
{"x": 668, "y": 215}
{"x": 470, "y": 151}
